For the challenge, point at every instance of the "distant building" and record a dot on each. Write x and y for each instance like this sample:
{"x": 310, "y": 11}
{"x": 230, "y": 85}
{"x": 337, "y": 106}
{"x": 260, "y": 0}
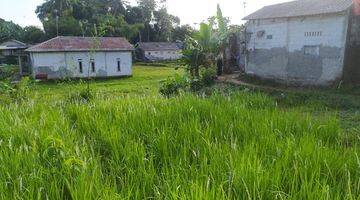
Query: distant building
{"x": 154, "y": 51}
{"x": 307, "y": 42}
{"x": 80, "y": 57}
{"x": 13, "y": 52}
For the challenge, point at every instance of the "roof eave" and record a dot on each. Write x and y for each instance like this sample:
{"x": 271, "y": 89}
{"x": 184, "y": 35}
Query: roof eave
{"x": 76, "y": 50}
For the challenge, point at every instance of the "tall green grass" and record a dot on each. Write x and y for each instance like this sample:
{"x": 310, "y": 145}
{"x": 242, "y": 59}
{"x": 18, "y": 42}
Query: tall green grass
{"x": 238, "y": 146}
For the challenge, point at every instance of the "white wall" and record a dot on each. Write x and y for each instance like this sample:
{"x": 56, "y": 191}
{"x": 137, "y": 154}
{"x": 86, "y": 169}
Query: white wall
{"x": 290, "y": 32}
{"x": 165, "y": 55}
{"x": 60, "y": 64}
{"x": 282, "y": 57}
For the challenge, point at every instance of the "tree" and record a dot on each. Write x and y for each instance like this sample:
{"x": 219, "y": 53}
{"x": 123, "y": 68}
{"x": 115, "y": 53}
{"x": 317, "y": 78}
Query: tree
{"x": 33, "y": 35}
{"x": 9, "y": 30}
{"x": 149, "y": 20}
{"x": 200, "y": 50}
{"x": 180, "y": 33}
{"x": 164, "y": 24}
{"x": 67, "y": 26}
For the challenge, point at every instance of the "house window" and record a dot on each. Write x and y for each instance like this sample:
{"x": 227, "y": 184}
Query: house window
{"x": 312, "y": 50}
{"x": 80, "y": 66}
{"x": 269, "y": 37}
{"x": 92, "y": 63}
{"x": 118, "y": 65}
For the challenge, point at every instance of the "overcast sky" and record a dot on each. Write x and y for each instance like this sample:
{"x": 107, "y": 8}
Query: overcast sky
{"x": 190, "y": 12}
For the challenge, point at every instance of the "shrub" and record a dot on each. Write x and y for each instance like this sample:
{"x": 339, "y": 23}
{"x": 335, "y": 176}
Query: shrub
{"x": 82, "y": 96}
{"x": 196, "y": 85}
{"x": 172, "y": 85}
{"x": 18, "y": 91}
{"x": 8, "y": 71}
{"x": 208, "y": 76}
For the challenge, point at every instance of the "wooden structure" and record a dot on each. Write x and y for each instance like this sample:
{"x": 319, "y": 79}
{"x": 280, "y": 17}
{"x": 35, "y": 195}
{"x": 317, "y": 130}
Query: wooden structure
{"x": 13, "y": 52}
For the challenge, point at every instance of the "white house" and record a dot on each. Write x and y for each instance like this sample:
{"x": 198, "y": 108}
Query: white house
{"x": 152, "y": 51}
{"x": 80, "y": 57}
{"x": 304, "y": 42}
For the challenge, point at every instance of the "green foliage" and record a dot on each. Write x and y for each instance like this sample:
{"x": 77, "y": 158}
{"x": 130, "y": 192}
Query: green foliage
{"x": 128, "y": 143}
{"x": 239, "y": 146}
{"x": 199, "y": 50}
{"x": 172, "y": 85}
{"x": 82, "y": 96}
{"x": 8, "y": 71}
{"x": 208, "y": 76}
{"x": 29, "y": 34}
{"x": 15, "y": 92}
{"x": 9, "y": 30}
{"x": 33, "y": 35}
{"x": 180, "y": 33}
{"x": 149, "y": 20}
{"x": 68, "y": 26}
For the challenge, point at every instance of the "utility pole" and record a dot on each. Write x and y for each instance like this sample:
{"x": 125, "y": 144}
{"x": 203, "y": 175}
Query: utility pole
{"x": 57, "y": 22}
{"x": 245, "y": 35}
{"x": 244, "y": 7}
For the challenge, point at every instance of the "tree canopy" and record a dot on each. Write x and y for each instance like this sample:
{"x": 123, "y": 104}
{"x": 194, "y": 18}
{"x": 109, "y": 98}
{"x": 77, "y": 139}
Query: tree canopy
{"x": 148, "y": 21}
{"x": 29, "y": 34}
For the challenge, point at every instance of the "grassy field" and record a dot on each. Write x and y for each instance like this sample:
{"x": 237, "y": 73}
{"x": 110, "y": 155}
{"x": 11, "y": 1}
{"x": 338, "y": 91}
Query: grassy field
{"x": 131, "y": 143}
{"x": 145, "y": 81}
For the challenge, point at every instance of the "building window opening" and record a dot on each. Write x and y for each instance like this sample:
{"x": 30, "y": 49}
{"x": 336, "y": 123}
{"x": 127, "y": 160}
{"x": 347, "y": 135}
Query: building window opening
{"x": 118, "y": 65}
{"x": 80, "y": 66}
{"x": 92, "y": 63}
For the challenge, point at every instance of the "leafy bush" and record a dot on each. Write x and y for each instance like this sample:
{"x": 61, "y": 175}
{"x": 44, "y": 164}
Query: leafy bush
{"x": 172, "y": 85}
{"x": 21, "y": 90}
{"x": 208, "y": 76}
{"x": 8, "y": 71}
{"x": 82, "y": 96}
{"x": 196, "y": 85}
{"x": 16, "y": 91}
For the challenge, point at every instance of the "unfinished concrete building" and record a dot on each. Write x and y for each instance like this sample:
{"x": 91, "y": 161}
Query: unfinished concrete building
{"x": 305, "y": 42}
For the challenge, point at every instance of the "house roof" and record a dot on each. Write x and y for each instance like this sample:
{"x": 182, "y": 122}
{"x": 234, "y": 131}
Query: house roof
{"x": 301, "y": 8}
{"x": 64, "y": 44}
{"x": 13, "y": 44}
{"x": 158, "y": 46}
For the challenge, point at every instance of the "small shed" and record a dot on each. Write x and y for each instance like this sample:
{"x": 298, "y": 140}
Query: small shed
{"x": 13, "y": 52}
{"x": 155, "y": 51}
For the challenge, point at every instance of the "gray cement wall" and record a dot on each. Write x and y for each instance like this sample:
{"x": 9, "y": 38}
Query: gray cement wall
{"x": 296, "y": 67}
{"x": 352, "y": 59}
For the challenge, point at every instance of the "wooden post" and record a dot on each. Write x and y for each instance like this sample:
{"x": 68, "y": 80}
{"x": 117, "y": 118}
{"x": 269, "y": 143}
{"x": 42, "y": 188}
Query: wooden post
{"x": 20, "y": 65}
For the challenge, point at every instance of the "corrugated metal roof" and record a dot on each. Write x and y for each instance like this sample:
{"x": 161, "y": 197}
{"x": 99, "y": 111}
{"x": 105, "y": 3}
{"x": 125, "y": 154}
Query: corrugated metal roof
{"x": 158, "y": 46}
{"x": 13, "y": 44}
{"x": 62, "y": 44}
{"x": 301, "y": 8}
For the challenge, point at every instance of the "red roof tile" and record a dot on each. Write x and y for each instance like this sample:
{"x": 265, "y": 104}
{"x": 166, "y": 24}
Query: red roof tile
{"x": 62, "y": 44}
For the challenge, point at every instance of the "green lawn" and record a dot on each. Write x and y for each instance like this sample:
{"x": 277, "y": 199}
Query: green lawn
{"x": 145, "y": 81}
{"x": 131, "y": 143}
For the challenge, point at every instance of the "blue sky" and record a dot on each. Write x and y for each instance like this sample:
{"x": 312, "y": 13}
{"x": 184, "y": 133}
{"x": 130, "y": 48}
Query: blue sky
{"x": 22, "y": 12}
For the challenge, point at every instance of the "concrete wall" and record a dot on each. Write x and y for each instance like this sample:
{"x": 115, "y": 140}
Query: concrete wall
{"x": 66, "y": 64}
{"x": 352, "y": 59}
{"x": 164, "y": 55}
{"x": 302, "y": 50}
